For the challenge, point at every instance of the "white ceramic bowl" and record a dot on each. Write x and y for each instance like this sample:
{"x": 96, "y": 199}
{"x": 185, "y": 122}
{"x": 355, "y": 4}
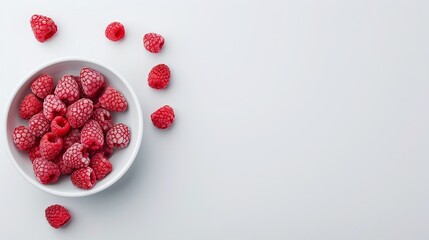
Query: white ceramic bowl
{"x": 121, "y": 159}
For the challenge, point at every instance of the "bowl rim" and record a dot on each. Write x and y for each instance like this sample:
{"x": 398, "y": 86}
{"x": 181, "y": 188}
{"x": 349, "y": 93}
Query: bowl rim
{"x": 138, "y": 135}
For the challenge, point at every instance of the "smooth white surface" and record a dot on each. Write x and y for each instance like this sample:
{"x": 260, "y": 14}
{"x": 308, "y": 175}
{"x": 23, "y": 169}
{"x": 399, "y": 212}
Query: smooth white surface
{"x": 132, "y": 117}
{"x": 295, "y": 119}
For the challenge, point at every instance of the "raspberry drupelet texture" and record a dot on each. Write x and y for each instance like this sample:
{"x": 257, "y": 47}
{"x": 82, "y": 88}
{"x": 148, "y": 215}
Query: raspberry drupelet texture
{"x": 60, "y": 126}
{"x": 43, "y": 27}
{"x": 92, "y": 135}
{"x": 63, "y": 168}
{"x": 115, "y": 31}
{"x": 23, "y": 138}
{"x": 159, "y": 76}
{"x": 42, "y": 86}
{"x": 76, "y": 156}
{"x": 53, "y": 106}
{"x": 104, "y": 118}
{"x": 34, "y": 153}
{"x": 92, "y": 82}
{"x": 57, "y": 215}
{"x": 30, "y": 106}
{"x": 153, "y": 42}
{"x": 71, "y": 138}
{"x": 84, "y": 178}
{"x": 118, "y": 136}
{"x": 39, "y": 125}
{"x": 163, "y": 117}
{"x": 67, "y": 90}
{"x": 46, "y": 172}
{"x": 100, "y": 165}
{"x": 79, "y": 112}
{"x": 50, "y": 146}
{"x": 113, "y": 100}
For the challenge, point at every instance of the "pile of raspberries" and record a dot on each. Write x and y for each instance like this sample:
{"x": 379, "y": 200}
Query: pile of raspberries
{"x": 70, "y": 128}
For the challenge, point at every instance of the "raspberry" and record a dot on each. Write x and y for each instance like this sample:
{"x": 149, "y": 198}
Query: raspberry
{"x": 71, "y": 138}
{"x": 153, "y": 42}
{"x": 60, "y": 126}
{"x": 29, "y": 106}
{"x": 34, "y": 153}
{"x": 159, "y": 76}
{"x": 46, "y": 171}
{"x": 57, "y": 215}
{"x": 67, "y": 90}
{"x": 92, "y": 82}
{"x": 163, "y": 117}
{"x": 76, "y": 156}
{"x": 43, "y": 27}
{"x": 23, "y": 138}
{"x": 39, "y": 125}
{"x": 103, "y": 117}
{"x": 52, "y": 107}
{"x": 115, "y": 31}
{"x": 113, "y": 100}
{"x": 42, "y": 86}
{"x": 63, "y": 168}
{"x": 100, "y": 165}
{"x": 92, "y": 135}
{"x": 118, "y": 136}
{"x": 84, "y": 178}
{"x": 79, "y": 112}
{"x": 50, "y": 146}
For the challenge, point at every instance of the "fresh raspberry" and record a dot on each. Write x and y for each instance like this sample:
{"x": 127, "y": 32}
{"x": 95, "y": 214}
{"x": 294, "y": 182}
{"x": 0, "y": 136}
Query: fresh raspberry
{"x": 159, "y": 76}
{"x": 71, "y": 138}
{"x": 34, "y": 153}
{"x": 79, "y": 112}
{"x": 113, "y": 100}
{"x": 53, "y": 106}
{"x": 60, "y": 126}
{"x": 92, "y": 82}
{"x": 29, "y": 106}
{"x": 42, "y": 86}
{"x": 115, "y": 31}
{"x": 57, "y": 215}
{"x": 153, "y": 42}
{"x": 100, "y": 165}
{"x": 92, "y": 135}
{"x": 39, "y": 125}
{"x": 163, "y": 117}
{"x": 76, "y": 156}
{"x": 104, "y": 119}
{"x": 67, "y": 90}
{"x": 46, "y": 171}
{"x": 84, "y": 178}
{"x": 23, "y": 138}
{"x": 63, "y": 168}
{"x": 43, "y": 27}
{"x": 118, "y": 136}
{"x": 50, "y": 146}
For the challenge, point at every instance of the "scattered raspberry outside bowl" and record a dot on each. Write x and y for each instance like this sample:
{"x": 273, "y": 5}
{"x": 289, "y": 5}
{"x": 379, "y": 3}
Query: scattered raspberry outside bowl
{"x": 121, "y": 160}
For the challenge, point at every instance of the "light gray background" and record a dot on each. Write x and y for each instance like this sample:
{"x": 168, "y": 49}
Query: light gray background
{"x": 300, "y": 119}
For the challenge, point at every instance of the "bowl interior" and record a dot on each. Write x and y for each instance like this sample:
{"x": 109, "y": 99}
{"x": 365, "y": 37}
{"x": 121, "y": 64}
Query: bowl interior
{"x": 121, "y": 159}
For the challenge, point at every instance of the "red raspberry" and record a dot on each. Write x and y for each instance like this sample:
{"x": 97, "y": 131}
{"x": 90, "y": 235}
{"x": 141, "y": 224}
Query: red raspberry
{"x": 46, "y": 171}
{"x": 103, "y": 117}
{"x": 100, "y": 165}
{"x": 84, "y": 178}
{"x": 43, "y": 27}
{"x": 57, "y": 215}
{"x": 163, "y": 117}
{"x": 52, "y": 107}
{"x": 67, "y": 90}
{"x": 92, "y": 135}
{"x": 60, "y": 126}
{"x": 29, "y": 106}
{"x": 50, "y": 146}
{"x": 71, "y": 138}
{"x": 118, "y": 136}
{"x": 92, "y": 82}
{"x": 34, "y": 153}
{"x": 113, "y": 100}
{"x": 42, "y": 86}
{"x": 153, "y": 42}
{"x": 76, "y": 156}
{"x": 79, "y": 112}
{"x": 63, "y": 168}
{"x": 39, "y": 125}
{"x": 159, "y": 76}
{"x": 23, "y": 138}
{"x": 115, "y": 31}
